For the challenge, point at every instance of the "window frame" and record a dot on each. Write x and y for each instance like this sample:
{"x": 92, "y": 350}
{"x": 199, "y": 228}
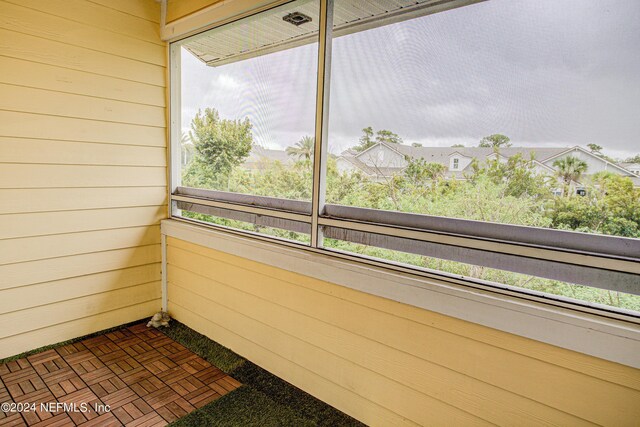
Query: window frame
{"x": 590, "y": 257}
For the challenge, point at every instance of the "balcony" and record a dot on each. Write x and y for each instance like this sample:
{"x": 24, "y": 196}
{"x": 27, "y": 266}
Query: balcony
{"x": 367, "y": 282}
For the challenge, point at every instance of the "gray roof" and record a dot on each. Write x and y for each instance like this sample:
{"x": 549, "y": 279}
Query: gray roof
{"x": 260, "y": 154}
{"x": 628, "y": 165}
{"x": 442, "y": 154}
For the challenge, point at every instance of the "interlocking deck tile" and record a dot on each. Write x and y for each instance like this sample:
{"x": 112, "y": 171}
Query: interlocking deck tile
{"x": 12, "y": 420}
{"x": 54, "y": 379}
{"x": 36, "y": 398}
{"x": 141, "y": 405}
{"x": 147, "y": 386}
{"x": 159, "y": 365}
{"x": 43, "y": 357}
{"x": 96, "y": 341}
{"x": 50, "y": 365}
{"x": 124, "y": 364}
{"x": 18, "y": 375}
{"x": 173, "y": 375}
{"x": 70, "y": 349}
{"x": 145, "y": 377}
{"x": 135, "y": 375}
{"x": 61, "y": 420}
{"x": 108, "y": 386}
{"x": 97, "y": 376}
{"x": 161, "y": 397}
{"x": 152, "y": 419}
{"x": 113, "y": 357}
{"x": 82, "y": 413}
{"x": 159, "y": 341}
{"x": 104, "y": 420}
{"x": 76, "y": 358}
{"x": 120, "y": 398}
{"x": 202, "y": 396}
{"x": 105, "y": 348}
{"x": 218, "y": 388}
{"x": 187, "y": 385}
{"x": 209, "y": 374}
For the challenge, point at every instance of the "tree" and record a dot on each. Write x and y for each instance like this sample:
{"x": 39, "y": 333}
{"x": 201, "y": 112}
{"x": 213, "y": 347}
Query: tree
{"x": 416, "y": 144}
{"x": 518, "y": 175}
{"x": 220, "y": 145}
{"x": 367, "y": 139}
{"x": 388, "y": 137}
{"x": 496, "y": 140}
{"x": 594, "y": 148}
{"x": 303, "y": 149}
{"x": 457, "y": 146}
{"x": 499, "y": 190}
{"x": 570, "y": 169}
{"x": 612, "y": 207}
{"x": 634, "y": 159}
{"x": 419, "y": 171}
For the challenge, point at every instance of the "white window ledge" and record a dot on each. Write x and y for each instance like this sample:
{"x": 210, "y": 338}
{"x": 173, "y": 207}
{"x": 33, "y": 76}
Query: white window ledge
{"x": 592, "y": 334}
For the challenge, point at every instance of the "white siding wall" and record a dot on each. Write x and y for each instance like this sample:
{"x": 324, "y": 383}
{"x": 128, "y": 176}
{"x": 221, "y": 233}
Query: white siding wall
{"x": 594, "y": 164}
{"x": 463, "y": 162}
{"x": 382, "y": 157}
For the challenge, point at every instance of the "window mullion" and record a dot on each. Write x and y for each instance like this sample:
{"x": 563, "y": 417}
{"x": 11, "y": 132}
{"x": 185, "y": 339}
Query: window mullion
{"x": 322, "y": 118}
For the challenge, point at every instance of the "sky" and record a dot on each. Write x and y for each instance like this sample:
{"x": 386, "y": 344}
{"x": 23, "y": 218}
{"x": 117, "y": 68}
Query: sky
{"x": 543, "y": 72}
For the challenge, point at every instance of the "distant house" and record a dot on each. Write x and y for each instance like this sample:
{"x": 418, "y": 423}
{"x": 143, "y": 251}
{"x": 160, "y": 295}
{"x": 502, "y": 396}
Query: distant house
{"x": 632, "y": 167}
{"x": 260, "y": 157}
{"x": 385, "y": 160}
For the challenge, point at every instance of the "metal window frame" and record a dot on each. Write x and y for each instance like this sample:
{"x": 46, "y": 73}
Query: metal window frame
{"x": 605, "y": 262}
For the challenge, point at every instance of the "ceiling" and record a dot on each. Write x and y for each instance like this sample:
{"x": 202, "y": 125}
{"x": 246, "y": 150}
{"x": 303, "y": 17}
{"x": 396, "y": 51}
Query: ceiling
{"x": 267, "y": 32}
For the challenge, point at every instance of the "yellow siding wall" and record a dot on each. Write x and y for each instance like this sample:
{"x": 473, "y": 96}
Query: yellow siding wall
{"x": 387, "y": 363}
{"x": 177, "y": 9}
{"x": 82, "y": 167}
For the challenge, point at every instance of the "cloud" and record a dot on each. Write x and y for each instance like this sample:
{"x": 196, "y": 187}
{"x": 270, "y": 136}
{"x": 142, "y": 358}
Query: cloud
{"x": 540, "y": 71}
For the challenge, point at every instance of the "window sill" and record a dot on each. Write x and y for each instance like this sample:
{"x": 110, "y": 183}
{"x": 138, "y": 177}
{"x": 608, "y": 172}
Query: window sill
{"x": 592, "y": 334}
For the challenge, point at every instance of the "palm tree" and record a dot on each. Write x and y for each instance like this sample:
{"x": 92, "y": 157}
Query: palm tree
{"x": 303, "y": 149}
{"x": 570, "y": 169}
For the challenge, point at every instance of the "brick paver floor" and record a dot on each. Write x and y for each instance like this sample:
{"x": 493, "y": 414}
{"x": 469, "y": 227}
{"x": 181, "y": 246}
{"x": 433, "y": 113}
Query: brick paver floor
{"x": 144, "y": 377}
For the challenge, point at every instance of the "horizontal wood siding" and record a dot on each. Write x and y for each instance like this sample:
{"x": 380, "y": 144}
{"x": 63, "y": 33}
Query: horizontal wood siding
{"x": 387, "y": 363}
{"x": 82, "y": 167}
{"x": 177, "y": 9}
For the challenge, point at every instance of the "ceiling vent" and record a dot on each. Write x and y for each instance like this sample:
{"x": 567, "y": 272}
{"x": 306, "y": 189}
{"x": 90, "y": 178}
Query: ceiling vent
{"x": 297, "y": 18}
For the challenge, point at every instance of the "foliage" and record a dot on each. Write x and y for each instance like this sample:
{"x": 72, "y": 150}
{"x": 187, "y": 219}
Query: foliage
{"x": 611, "y": 206}
{"x": 420, "y": 172}
{"x": 367, "y": 139}
{"x": 634, "y": 159}
{"x": 303, "y": 149}
{"x": 594, "y": 148}
{"x": 457, "y": 146}
{"x": 518, "y": 175}
{"x": 387, "y": 137}
{"x": 497, "y": 140}
{"x": 499, "y": 190}
{"x": 220, "y": 145}
{"x": 570, "y": 169}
